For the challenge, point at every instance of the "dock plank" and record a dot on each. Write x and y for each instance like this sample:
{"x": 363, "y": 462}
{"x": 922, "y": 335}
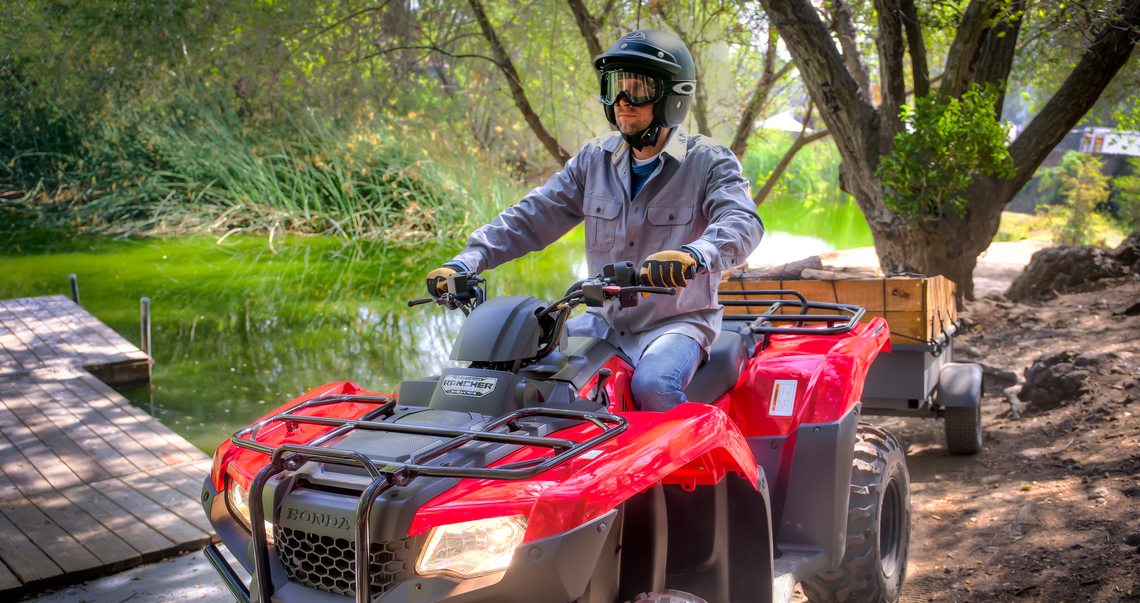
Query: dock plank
{"x": 8, "y": 580}
{"x": 125, "y": 420}
{"x": 24, "y": 558}
{"x": 173, "y": 527}
{"x": 74, "y": 422}
{"x": 176, "y": 449}
{"x": 134, "y": 452}
{"x": 20, "y": 470}
{"x": 111, "y": 550}
{"x": 53, "y": 540}
{"x": 8, "y": 362}
{"x": 178, "y": 480}
{"x": 11, "y": 317}
{"x": 89, "y": 483}
{"x": 90, "y": 354}
{"x": 186, "y": 507}
{"x": 141, "y": 537}
{"x": 56, "y": 440}
{"x": 198, "y": 470}
{"x": 67, "y": 312}
{"x": 7, "y": 488}
{"x": 63, "y": 306}
{"x": 50, "y": 466}
{"x": 17, "y": 350}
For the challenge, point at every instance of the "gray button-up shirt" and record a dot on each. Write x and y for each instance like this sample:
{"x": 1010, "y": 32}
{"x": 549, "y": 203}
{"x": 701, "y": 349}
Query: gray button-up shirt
{"x": 696, "y": 198}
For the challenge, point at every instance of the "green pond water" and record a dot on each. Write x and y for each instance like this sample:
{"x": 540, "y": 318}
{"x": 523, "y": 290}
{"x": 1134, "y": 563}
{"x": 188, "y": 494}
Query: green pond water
{"x": 239, "y": 328}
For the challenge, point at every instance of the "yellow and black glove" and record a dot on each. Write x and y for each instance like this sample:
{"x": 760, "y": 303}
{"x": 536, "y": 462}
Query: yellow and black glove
{"x": 668, "y": 269}
{"x": 437, "y": 280}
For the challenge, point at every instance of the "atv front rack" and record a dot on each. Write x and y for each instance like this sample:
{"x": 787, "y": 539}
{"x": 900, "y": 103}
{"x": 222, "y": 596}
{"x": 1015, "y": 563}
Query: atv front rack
{"x": 386, "y": 474}
{"x": 846, "y": 315}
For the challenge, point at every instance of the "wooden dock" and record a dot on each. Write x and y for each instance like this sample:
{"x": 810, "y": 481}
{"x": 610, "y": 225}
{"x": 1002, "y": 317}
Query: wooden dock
{"x": 90, "y": 484}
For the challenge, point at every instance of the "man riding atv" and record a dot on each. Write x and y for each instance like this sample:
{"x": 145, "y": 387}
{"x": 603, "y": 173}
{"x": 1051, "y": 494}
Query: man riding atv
{"x": 650, "y": 191}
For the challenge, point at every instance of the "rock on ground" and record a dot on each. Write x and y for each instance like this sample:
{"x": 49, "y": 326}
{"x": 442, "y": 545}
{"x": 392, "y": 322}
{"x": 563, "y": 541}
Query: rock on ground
{"x": 1065, "y": 268}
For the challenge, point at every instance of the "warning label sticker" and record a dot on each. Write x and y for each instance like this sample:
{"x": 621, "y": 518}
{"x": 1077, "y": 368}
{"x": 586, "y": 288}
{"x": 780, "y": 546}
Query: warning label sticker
{"x": 465, "y": 385}
{"x": 783, "y": 398}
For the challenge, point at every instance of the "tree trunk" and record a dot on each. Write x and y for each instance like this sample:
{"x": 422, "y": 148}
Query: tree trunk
{"x": 949, "y": 245}
{"x": 503, "y": 61}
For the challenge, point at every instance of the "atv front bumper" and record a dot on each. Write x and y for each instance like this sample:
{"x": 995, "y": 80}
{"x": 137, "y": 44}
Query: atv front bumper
{"x": 552, "y": 570}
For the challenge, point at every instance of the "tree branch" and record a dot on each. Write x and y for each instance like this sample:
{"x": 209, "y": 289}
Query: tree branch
{"x": 588, "y": 25}
{"x": 844, "y": 28}
{"x": 759, "y": 98}
{"x": 998, "y": 52}
{"x": 917, "y": 47}
{"x": 800, "y": 142}
{"x": 851, "y": 119}
{"x": 891, "y": 69}
{"x": 962, "y": 59}
{"x": 503, "y": 60}
{"x": 1110, "y": 50}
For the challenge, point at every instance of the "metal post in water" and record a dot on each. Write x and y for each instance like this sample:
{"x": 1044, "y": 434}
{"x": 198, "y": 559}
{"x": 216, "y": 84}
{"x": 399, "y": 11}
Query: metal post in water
{"x": 71, "y": 278}
{"x": 144, "y": 307}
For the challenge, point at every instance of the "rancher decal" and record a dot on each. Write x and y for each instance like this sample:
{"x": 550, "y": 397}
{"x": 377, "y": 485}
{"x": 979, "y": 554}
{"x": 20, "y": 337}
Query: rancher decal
{"x": 465, "y": 385}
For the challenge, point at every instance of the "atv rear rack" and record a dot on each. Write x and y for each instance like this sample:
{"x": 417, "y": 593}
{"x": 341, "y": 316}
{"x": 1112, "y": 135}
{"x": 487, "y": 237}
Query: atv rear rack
{"x": 386, "y": 474}
{"x": 848, "y": 315}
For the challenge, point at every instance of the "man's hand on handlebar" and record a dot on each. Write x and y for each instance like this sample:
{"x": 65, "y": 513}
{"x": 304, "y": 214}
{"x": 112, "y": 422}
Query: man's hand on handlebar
{"x": 437, "y": 280}
{"x": 672, "y": 268}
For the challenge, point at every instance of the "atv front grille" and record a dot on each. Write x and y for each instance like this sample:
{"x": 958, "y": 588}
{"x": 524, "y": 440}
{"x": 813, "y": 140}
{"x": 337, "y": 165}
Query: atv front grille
{"x": 326, "y": 563}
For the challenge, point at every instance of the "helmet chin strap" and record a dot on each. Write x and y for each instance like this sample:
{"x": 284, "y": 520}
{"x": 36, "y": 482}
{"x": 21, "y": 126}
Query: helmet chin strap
{"x": 648, "y": 138}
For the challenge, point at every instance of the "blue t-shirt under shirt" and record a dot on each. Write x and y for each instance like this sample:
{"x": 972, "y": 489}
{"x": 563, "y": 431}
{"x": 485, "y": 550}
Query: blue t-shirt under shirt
{"x": 640, "y": 172}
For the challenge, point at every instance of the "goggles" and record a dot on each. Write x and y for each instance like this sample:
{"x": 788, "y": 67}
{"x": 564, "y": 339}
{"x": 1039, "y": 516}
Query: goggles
{"x": 637, "y": 88}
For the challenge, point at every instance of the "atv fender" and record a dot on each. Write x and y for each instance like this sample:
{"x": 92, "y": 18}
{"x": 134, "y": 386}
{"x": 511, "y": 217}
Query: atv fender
{"x": 959, "y": 385}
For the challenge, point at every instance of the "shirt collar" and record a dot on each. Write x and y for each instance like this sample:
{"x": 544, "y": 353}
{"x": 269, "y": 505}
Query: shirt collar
{"x": 676, "y": 147}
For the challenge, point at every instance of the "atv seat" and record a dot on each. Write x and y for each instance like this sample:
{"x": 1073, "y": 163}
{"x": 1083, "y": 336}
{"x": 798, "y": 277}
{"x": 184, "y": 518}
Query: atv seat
{"x": 720, "y": 373}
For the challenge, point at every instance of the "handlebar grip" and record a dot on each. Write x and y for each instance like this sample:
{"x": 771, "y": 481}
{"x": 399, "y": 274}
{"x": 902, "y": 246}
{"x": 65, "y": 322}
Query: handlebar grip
{"x": 663, "y": 290}
{"x": 420, "y": 301}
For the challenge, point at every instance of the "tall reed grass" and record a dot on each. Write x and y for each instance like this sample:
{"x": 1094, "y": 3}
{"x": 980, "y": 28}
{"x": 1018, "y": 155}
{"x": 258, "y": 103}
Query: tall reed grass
{"x": 195, "y": 165}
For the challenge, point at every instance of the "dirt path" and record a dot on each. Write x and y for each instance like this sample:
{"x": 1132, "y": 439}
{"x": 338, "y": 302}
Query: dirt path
{"x": 1050, "y": 510}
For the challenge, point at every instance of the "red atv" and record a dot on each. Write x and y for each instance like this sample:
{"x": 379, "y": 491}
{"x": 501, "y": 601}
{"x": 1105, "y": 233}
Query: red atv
{"x": 530, "y": 477}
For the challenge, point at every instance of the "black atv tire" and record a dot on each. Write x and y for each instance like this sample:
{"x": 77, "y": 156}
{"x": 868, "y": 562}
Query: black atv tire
{"x": 963, "y": 430}
{"x": 878, "y": 526}
{"x": 667, "y": 596}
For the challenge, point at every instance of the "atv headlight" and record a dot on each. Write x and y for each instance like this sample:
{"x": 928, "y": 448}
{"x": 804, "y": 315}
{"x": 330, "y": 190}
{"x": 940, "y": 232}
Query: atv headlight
{"x": 238, "y": 499}
{"x": 472, "y": 548}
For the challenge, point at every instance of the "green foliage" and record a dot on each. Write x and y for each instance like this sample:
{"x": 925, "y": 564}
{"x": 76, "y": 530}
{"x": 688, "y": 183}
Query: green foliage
{"x": 1127, "y": 189}
{"x": 812, "y": 177}
{"x": 1083, "y": 186}
{"x": 946, "y": 141}
{"x": 194, "y": 164}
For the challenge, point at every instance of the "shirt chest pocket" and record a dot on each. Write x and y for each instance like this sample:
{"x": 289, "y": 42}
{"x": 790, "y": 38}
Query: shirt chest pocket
{"x": 603, "y": 216}
{"x": 669, "y": 226}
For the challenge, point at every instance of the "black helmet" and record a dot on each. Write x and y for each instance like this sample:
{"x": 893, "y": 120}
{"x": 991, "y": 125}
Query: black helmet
{"x": 663, "y": 58}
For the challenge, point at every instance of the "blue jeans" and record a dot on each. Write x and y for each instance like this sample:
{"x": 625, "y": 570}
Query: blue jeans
{"x": 664, "y": 371}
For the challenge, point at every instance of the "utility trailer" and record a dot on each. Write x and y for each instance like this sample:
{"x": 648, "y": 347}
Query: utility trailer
{"x": 919, "y": 377}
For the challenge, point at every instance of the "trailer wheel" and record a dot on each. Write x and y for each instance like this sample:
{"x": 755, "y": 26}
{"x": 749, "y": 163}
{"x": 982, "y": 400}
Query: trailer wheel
{"x": 963, "y": 429}
{"x": 667, "y": 596}
{"x": 878, "y": 526}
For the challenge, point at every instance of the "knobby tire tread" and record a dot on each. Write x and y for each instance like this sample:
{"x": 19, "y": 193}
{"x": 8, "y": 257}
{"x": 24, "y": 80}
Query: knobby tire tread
{"x": 856, "y": 579}
{"x": 962, "y": 429}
